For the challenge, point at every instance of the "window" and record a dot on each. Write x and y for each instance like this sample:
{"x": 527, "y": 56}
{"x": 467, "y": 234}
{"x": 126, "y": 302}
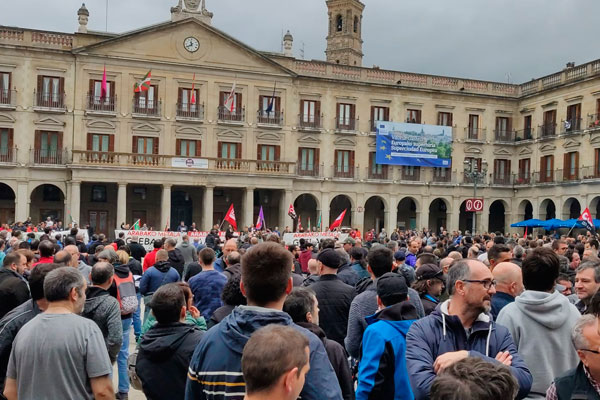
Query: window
{"x": 597, "y": 163}
{"x": 268, "y": 153}
{"x": 376, "y": 171}
{"x": 474, "y": 162}
{"x": 527, "y": 134}
{"x": 503, "y": 128}
{"x": 573, "y": 122}
{"x": 473, "y": 131}
{"x": 187, "y": 105}
{"x": 524, "y": 171}
{"x": 273, "y": 116}
{"x": 48, "y": 147}
{"x": 310, "y": 114}
{"x": 6, "y": 145}
{"x": 502, "y": 171}
{"x": 224, "y": 113}
{"x": 5, "y": 88}
{"x": 339, "y": 23}
{"x": 98, "y": 220}
{"x": 413, "y": 116}
{"x": 410, "y": 173}
{"x": 229, "y": 151}
{"x": 345, "y": 116}
{"x": 97, "y": 143}
{"x": 444, "y": 118}
{"x": 549, "y": 127}
{"x": 188, "y": 148}
{"x": 441, "y": 174}
{"x": 308, "y": 161}
{"x": 356, "y": 24}
{"x": 99, "y": 194}
{"x": 146, "y": 102}
{"x": 50, "y": 92}
{"x": 571, "y": 166}
{"x": 344, "y": 163}
{"x": 547, "y": 169}
{"x": 96, "y": 101}
{"x": 145, "y": 145}
{"x": 379, "y": 113}
{"x": 51, "y": 193}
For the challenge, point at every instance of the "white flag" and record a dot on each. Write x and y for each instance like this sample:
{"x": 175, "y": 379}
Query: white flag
{"x": 230, "y": 102}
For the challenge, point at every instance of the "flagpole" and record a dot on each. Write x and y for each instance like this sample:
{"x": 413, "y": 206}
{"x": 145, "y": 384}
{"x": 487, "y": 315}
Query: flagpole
{"x": 573, "y": 227}
{"x": 106, "y": 24}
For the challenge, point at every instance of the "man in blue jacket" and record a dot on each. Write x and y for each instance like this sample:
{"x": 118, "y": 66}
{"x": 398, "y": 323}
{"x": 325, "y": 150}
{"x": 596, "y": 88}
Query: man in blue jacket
{"x": 215, "y": 369}
{"x": 382, "y": 370}
{"x": 461, "y": 327}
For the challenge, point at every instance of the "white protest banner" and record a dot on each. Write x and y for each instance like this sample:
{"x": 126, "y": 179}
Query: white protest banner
{"x": 313, "y": 237}
{"x": 64, "y": 234}
{"x": 147, "y": 238}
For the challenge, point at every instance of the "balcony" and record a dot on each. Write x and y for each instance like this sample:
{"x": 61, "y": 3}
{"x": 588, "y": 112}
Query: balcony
{"x": 274, "y": 119}
{"x": 309, "y": 123}
{"x": 442, "y": 175}
{"x": 48, "y": 156}
{"x": 594, "y": 121}
{"x": 504, "y": 136}
{"x": 8, "y": 155}
{"x": 189, "y": 112}
{"x": 474, "y": 134}
{"x": 272, "y": 166}
{"x": 524, "y": 134}
{"x": 306, "y": 169}
{"x": 571, "y": 174}
{"x": 8, "y": 99}
{"x": 49, "y": 102}
{"x": 469, "y": 180}
{"x": 502, "y": 179}
{"x": 523, "y": 178}
{"x": 347, "y": 172}
{"x": 410, "y": 174}
{"x": 543, "y": 177}
{"x": 547, "y": 131}
{"x": 590, "y": 172}
{"x": 101, "y": 105}
{"x": 142, "y": 108}
{"x": 237, "y": 117}
{"x": 379, "y": 173}
{"x": 571, "y": 126}
{"x": 346, "y": 125}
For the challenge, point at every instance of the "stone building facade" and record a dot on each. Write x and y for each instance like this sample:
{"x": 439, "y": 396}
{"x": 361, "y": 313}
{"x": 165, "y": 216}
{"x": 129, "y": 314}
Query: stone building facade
{"x": 68, "y": 152}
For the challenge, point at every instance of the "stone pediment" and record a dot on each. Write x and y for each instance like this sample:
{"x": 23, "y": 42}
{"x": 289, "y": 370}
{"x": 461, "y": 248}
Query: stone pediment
{"x": 547, "y": 148}
{"x": 502, "y": 152}
{"x": 100, "y": 124}
{"x": 190, "y": 130}
{"x": 229, "y": 134}
{"x": 6, "y": 118}
{"x": 594, "y": 140}
{"x": 165, "y": 43}
{"x": 49, "y": 121}
{"x": 268, "y": 137}
{"x": 146, "y": 127}
{"x": 525, "y": 151}
{"x": 473, "y": 150}
{"x": 308, "y": 139}
{"x": 344, "y": 141}
{"x": 373, "y": 143}
{"x": 571, "y": 143}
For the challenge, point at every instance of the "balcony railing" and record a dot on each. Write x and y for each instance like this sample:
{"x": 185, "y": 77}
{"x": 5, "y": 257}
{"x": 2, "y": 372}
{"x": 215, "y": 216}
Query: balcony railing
{"x": 8, "y": 98}
{"x": 238, "y": 115}
{"x": 273, "y": 166}
{"x": 48, "y": 156}
{"x": 309, "y": 122}
{"x": 547, "y": 130}
{"x": 569, "y": 174}
{"x": 502, "y": 179}
{"x": 543, "y": 176}
{"x": 503, "y": 135}
{"x": 344, "y": 172}
{"x": 523, "y": 178}
{"x": 594, "y": 121}
{"x": 346, "y": 124}
{"x": 307, "y": 169}
{"x": 146, "y": 108}
{"x": 274, "y": 118}
{"x": 190, "y": 111}
{"x": 376, "y": 173}
{"x": 524, "y": 134}
{"x": 469, "y": 180}
{"x": 590, "y": 172}
{"x": 8, "y": 155}
{"x": 49, "y": 101}
{"x": 413, "y": 175}
{"x": 442, "y": 175}
{"x": 101, "y": 104}
{"x": 571, "y": 126}
{"x": 475, "y": 133}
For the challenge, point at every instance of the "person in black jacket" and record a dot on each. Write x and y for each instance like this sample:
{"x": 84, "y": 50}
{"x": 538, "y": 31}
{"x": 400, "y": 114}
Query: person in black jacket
{"x": 167, "y": 348}
{"x": 176, "y": 259}
{"x": 334, "y": 296}
{"x": 137, "y": 251}
{"x": 232, "y": 297}
{"x": 303, "y": 306}
{"x": 13, "y": 286}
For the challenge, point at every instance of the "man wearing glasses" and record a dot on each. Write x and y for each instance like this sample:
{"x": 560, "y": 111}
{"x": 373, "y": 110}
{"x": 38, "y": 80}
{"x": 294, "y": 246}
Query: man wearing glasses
{"x": 540, "y": 321}
{"x": 461, "y": 327}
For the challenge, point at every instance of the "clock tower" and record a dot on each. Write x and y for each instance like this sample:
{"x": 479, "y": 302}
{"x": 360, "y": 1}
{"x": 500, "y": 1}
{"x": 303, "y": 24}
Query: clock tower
{"x": 344, "y": 41}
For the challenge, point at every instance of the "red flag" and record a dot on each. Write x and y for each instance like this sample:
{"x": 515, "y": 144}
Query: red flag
{"x": 104, "y": 86}
{"x": 586, "y": 219}
{"x": 338, "y": 220}
{"x": 292, "y": 212}
{"x": 193, "y": 95}
{"x": 525, "y": 235}
{"x": 230, "y": 217}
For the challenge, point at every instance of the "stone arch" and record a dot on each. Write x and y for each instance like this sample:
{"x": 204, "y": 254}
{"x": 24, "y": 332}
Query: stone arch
{"x": 497, "y": 216}
{"x": 525, "y": 210}
{"x": 438, "y": 213}
{"x": 571, "y": 208}
{"x": 306, "y": 206}
{"x": 547, "y": 209}
{"x": 465, "y": 219}
{"x": 375, "y": 208}
{"x": 7, "y": 204}
{"x": 338, "y": 204}
{"x": 595, "y": 207}
{"x": 339, "y": 23}
{"x": 407, "y": 212}
{"x": 47, "y": 200}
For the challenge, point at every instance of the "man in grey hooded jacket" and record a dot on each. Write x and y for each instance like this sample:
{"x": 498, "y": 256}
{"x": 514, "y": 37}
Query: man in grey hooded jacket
{"x": 187, "y": 250}
{"x": 540, "y": 322}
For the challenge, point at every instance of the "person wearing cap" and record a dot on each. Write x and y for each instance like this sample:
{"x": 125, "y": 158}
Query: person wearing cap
{"x": 382, "y": 372}
{"x": 401, "y": 268}
{"x": 348, "y": 244}
{"x": 334, "y": 296}
{"x": 429, "y": 284}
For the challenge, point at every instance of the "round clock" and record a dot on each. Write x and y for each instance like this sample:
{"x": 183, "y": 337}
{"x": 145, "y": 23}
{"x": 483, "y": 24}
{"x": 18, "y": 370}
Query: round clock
{"x": 191, "y": 44}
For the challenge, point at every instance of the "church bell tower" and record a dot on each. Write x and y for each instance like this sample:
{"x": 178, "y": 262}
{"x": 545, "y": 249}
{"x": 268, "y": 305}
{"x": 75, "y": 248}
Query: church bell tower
{"x": 344, "y": 41}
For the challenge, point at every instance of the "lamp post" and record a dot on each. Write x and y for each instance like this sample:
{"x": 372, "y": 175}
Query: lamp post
{"x": 472, "y": 172}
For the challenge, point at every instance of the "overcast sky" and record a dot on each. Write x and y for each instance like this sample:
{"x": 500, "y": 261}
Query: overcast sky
{"x": 481, "y": 39}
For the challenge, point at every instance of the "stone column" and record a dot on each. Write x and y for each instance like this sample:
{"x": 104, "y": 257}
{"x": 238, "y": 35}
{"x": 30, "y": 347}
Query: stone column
{"x": 358, "y": 218}
{"x": 165, "y": 207}
{"x": 22, "y": 201}
{"x": 247, "y": 209}
{"x": 324, "y": 211}
{"x": 121, "y": 204}
{"x": 75, "y": 202}
{"x": 207, "y": 211}
{"x": 284, "y": 203}
{"x": 391, "y": 214}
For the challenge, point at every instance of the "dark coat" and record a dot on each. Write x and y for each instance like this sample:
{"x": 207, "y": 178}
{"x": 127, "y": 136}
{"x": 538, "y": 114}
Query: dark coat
{"x": 164, "y": 357}
{"x": 348, "y": 275}
{"x": 574, "y": 384}
{"x": 13, "y": 291}
{"x": 137, "y": 251}
{"x": 334, "y": 298}
{"x": 235, "y": 269}
{"x": 176, "y": 260}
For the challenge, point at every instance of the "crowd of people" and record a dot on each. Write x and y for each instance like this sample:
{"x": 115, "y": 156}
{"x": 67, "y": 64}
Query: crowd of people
{"x": 410, "y": 315}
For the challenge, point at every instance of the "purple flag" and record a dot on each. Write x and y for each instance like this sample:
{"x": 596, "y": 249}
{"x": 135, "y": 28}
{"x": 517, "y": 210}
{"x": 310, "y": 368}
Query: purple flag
{"x": 260, "y": 222}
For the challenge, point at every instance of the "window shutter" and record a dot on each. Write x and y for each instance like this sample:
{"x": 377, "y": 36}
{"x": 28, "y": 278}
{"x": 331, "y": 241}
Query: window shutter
{"x": 112, "y": 89}
{"x": 352, "y": 159}
{"x": 576, "y": 164}
{"x": 552, "y": 167}
{"x": 222, "y": 97}
{"x": 508, "y": 170}
{"x": 386, "y": 114}
{"x": 566, "y": 165}
{"x": 40, "y": 84}
{"x": 134, "y": 145}
{"x": 178, "y": 147}
{"x": 597, "y": 162}
{"x": 300, "y": 154}
{"x": 317, "y": 159}
{"x": 198, "y": 148}
{"x": 277, "y": 153}
{"x": 238, "y": 148}
{"x": 92, "y": 86}
{"x": 260, "y": 103}
{"x": 278, "y": 104}
{"x": 337, "y": 112}
{"x": 90, "y": 141}
{"x": 220, "y": 149}
{"x": 352, "y": 111}
{"x": 11, "y": 133}
{"x": 372, "y": 115}
{"x": 302, "y": 110}
{"x": 59, "y": 141}
{"x": 318, "y": 110}
{"x": 418, "y": 116}
{"x": 155, "y": 146}
{"x": 371, "y": 156}
{"x": 179, "y": 96}
{"x": 239, "y": 102}
{"x": 38, "y": 140}
{"x": 542, "y": 167}
{"x": 61, "y": 87}
{"x": 335, "y": 160}
{"x": 259, "y": 152}
{"x": 111, "y": 143}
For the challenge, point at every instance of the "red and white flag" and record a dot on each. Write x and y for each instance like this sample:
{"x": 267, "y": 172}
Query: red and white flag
{"x": 292, "y": 212}
{"x": 586, "y": 219}
{"x": 299, "y": 227}
{"x": 338, "y": 220}
{"x": 230, "y": 102}
{"x": 230, "y": 217}
{"x": 193, "y": 95}
{"x": 104, "y": 86}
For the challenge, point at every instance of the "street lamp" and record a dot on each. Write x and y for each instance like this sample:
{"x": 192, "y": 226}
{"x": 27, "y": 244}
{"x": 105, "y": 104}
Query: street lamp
{"x": 472, "y": 172}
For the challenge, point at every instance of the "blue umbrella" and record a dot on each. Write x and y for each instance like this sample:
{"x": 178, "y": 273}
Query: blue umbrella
{"x": 528, "y": 223}
{"x": 552, "y": 224}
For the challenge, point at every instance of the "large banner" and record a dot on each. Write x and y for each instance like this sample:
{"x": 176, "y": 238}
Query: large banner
{"x": 63, "y": 235}
{"x": 147, "y": 238}
{"x": 414, "y": 145}
{"x": 313, "y": 237}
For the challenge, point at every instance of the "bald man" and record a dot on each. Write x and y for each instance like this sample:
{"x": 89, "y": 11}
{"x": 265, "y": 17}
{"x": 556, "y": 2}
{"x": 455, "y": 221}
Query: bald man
{"x": 221, "y": 264}
{"x": 85, "y": 269}
{"x": 509, "y": 285}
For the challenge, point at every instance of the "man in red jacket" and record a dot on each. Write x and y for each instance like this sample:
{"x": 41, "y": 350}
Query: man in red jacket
{"x": 304, "y": 256}
{"x": 150, "y": 258}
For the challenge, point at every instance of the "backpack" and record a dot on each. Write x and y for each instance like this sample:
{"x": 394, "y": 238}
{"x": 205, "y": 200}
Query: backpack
{"x": 126, "y": 294}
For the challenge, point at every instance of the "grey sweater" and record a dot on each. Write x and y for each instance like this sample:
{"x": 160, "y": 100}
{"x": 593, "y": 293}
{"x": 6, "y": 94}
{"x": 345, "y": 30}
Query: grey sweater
{"x": 540, "y": 324}
{"x": 362, "y": 306}
{"x": 188, "y": 251}
{"x": 105, "y": 311}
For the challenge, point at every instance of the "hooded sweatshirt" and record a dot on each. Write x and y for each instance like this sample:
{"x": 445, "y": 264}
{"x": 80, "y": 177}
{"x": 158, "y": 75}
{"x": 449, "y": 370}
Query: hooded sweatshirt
{"x": 188, "y": 252}
{"x": 540, "y": 324}
{"x": 176, "y": 260}
{"x": 218, "y": 358}
{"x": 164, "y": 357}
{"x": 160, "y": 274}
{"x": 104, "y": 310}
